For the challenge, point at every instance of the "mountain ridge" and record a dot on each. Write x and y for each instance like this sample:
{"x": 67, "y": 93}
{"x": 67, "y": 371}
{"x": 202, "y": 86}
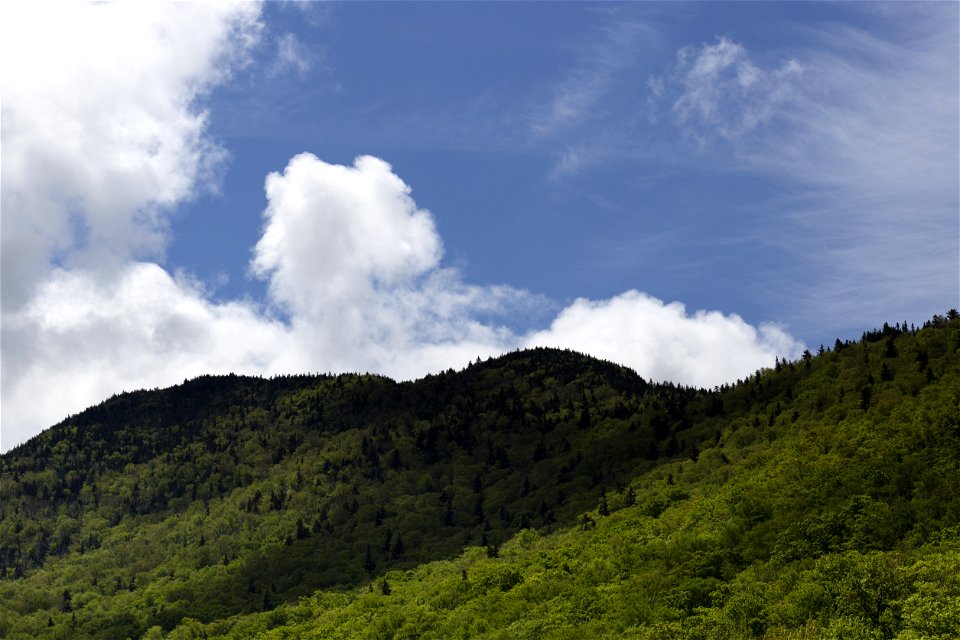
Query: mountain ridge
{"x": 329, "y": 481}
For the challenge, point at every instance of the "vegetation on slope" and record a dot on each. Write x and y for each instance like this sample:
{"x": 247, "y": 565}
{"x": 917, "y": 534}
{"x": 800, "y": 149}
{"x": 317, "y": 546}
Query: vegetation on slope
{"x": 816, "y": 500}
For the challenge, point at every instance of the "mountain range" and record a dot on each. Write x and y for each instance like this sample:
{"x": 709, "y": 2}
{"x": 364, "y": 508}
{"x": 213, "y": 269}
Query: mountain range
{"x": 541, "y": 494}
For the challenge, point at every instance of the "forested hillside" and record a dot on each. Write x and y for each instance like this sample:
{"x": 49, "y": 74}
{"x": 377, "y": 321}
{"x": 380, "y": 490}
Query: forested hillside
{"x": 543, "y": 494}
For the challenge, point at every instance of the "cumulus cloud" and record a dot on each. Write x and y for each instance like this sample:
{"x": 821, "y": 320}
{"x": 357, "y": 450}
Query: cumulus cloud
{"x": 662, "y": 342}
{"x": 355, "y": 264}
{"x": 102, "y": 137}
{"x": 100, "y": 128}
{"x": 335, "y": 232}
{"x": 81, "y": 339}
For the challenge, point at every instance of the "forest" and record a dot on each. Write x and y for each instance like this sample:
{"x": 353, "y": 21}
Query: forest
{"x": 541, "y": 494}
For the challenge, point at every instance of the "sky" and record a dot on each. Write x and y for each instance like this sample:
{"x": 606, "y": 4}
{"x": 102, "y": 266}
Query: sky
{"x": 691, "y": 190}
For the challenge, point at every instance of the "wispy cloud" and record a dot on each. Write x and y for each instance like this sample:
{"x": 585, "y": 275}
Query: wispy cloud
{"x": 723, "y": 92}
{"x": 873, "y": 140}
{"x": 574, "y": 158}
{"x": 610, "y": 51}
{"x": 292, "y": 55}
{"x": 585, "y": 88}
{"x": 859, "y": 130}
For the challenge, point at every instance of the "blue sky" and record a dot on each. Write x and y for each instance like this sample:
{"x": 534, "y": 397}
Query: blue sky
{"x": 461, "y": 100}
{"x": 690, "y": 189}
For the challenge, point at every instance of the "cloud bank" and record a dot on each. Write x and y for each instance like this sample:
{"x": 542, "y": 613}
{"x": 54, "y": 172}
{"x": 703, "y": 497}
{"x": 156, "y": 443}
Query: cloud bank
{"x": 100, "y": 147}
{"x": 355, "y": 284}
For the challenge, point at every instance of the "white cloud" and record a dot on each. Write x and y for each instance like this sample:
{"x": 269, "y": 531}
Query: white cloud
{"x": 100, "y": 126}
{"x": 103, "y": 136}
{"x": 356, "y": 266}
{"x": 573, "y": 159}
{"x": 81, "y": 339}
{"x": 661, "y": 342}
{"x": 334, "y": 232}
{"x": 723, "y": 93}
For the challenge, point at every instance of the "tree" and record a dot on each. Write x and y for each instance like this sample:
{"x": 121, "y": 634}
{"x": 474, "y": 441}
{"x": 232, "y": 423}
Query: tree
{"x": 448, "y": 515}
{"x": 584, "y": 421}
{"x": 368, "y": 564}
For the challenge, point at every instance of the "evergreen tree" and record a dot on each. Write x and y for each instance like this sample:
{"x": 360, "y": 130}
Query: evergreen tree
{"x": 368, "y": 564}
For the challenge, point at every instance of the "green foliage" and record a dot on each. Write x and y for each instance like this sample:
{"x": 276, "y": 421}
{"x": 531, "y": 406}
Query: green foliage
{"x": 543, "y": 494}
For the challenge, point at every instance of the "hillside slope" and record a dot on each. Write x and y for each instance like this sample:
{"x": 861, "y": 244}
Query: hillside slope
{"x": 817, "y": 499}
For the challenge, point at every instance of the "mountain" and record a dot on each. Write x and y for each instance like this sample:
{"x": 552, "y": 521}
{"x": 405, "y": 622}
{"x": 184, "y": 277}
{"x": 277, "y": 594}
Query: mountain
{"x": 543, "y": 494}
